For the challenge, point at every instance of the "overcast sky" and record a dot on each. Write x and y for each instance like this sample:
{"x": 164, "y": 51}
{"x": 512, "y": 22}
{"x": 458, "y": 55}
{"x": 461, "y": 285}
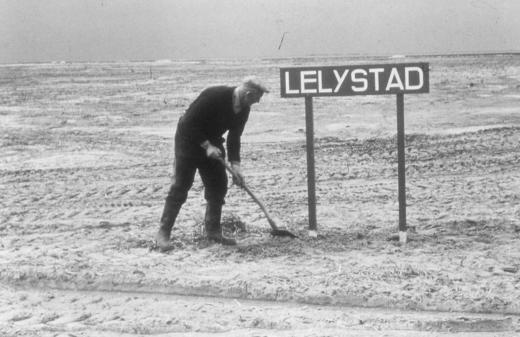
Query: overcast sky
{"x": 115, "y": 30}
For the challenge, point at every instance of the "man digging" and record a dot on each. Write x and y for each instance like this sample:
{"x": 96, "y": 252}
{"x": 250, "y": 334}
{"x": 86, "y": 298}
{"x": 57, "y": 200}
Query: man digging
{"x": 199, "y": 145}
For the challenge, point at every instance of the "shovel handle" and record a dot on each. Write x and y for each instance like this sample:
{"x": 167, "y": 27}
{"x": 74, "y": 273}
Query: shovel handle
{"x": 251, "y": 194}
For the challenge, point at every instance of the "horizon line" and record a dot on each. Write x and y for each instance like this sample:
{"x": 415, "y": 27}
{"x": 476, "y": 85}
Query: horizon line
{"x": 310, "y": 56}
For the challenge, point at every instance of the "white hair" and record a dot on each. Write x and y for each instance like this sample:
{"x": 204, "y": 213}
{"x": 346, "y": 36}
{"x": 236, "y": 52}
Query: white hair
{"x": 252, "y": 83}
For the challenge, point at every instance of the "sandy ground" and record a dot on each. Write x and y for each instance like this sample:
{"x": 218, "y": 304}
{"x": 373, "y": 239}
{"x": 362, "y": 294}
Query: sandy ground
{"x": 78, "y": 313}
{"x": 86, "y": 163}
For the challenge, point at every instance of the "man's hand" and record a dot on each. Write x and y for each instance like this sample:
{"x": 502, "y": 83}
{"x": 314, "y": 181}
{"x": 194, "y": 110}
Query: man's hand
{"x": 211, "y": 150}
{"x": 238, "y": 177}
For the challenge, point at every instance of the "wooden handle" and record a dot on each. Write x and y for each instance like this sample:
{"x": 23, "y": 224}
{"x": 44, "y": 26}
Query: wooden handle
{"x": 251, "y": 194}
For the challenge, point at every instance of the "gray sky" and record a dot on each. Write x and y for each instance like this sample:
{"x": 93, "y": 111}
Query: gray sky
{"x": 115, "y": 30}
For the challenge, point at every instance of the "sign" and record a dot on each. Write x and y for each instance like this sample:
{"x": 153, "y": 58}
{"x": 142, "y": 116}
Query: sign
{"x": 379, "y": 79}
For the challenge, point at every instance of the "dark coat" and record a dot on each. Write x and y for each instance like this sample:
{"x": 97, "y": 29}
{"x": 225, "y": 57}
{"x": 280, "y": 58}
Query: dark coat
{"x": 208, "y": 118}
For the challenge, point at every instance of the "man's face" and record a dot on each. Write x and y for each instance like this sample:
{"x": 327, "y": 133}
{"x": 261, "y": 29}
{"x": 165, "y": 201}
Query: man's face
{"x": 251, "y": 97}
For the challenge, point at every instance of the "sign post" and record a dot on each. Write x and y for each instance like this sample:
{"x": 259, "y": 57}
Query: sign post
{"x": 311, "y": 175}
{"x": 401, "y": 168}
{"x": 378, "y": 79}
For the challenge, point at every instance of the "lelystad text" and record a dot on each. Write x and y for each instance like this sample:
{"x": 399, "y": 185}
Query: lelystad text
{"x": 354, "y": 80}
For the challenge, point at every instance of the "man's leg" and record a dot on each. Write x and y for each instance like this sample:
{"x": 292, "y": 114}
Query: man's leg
{"x": 184, "y": 173}
{"x": 214, "y": 177}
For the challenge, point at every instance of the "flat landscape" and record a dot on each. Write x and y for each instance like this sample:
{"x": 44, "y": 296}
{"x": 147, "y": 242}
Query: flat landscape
{"x": 86, "y": 161}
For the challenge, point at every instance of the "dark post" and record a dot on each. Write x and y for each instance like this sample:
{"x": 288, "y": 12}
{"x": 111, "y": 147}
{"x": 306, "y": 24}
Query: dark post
{"x": 311, "y": 175}
{"x": 401, "y": 166}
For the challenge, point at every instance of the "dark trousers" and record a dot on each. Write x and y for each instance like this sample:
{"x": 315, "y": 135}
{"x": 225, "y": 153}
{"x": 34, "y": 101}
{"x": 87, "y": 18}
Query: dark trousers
{"x": 212, "y": 173}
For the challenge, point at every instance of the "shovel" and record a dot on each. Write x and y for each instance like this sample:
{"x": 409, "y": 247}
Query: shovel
{"x": 275, "y": 231}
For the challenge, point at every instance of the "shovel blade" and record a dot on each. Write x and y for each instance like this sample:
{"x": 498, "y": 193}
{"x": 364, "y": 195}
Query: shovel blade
{"x": 283, "y": 232}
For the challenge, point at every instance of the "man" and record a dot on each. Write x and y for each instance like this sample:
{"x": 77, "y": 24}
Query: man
{"x": 198, "y": 145}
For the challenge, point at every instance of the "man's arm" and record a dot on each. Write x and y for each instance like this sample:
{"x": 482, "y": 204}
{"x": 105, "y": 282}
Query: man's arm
{"x": 233, "y": 143}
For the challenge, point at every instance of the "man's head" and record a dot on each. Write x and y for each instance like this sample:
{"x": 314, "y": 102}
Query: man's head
{"x": 250, "y": 91}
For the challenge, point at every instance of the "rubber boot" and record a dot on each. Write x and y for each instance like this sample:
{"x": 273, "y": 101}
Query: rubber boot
{"x": 213, "y": 226}
{"x": 162, "y": 237}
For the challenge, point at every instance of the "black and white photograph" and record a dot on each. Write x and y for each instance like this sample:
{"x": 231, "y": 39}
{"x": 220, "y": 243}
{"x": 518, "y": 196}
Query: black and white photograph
{"x": 259, "y": 168}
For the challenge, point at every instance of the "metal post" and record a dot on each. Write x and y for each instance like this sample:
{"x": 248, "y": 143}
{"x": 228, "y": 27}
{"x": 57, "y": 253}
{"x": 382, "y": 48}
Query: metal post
{"x": 311, "y": 175}
{"x": 401, "y": 168}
